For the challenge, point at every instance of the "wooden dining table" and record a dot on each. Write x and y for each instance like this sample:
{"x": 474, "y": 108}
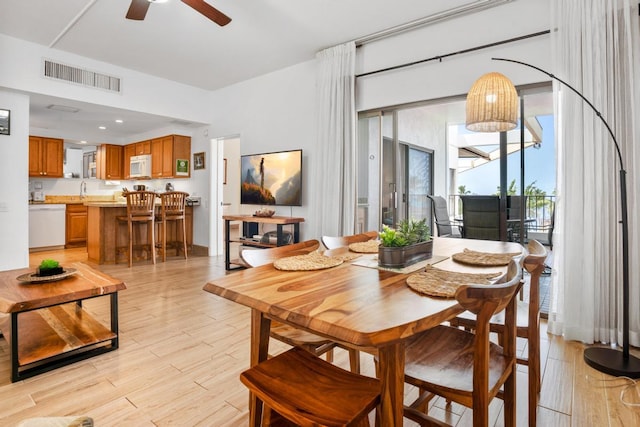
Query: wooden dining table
{"x": 360, "y": 307}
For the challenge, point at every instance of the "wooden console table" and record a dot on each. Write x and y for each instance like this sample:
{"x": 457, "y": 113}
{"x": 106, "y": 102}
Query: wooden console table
{"x": 279, "y": 221}
{"x": 47, "y": 327}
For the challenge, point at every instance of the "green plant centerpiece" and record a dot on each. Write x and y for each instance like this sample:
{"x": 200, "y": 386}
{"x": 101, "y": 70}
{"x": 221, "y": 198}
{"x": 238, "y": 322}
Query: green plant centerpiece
{"x": 407, "y": 244}
{"x": 49, "y": 267}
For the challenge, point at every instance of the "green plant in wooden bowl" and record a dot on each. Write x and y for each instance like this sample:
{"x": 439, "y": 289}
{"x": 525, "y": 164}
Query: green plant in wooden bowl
{"x": 49, "y": 267}
{"x": 409, "y": 243}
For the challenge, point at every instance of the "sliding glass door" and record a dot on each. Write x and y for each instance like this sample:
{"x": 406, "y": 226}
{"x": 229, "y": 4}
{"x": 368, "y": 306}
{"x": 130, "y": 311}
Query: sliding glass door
{"x": 394, "y": 177}
{"x": 418, "y": 182}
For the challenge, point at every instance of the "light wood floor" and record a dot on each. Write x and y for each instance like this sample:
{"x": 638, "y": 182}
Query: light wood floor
{"x": 182, "y": 349}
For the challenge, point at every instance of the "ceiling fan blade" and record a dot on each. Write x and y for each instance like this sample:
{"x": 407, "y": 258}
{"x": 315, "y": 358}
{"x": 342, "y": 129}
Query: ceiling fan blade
{"x": 209, "y": 11}
{"x": 138, "y": 9}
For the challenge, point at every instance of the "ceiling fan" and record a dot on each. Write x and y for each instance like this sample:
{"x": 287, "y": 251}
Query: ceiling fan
{"x": 138, "y": 10}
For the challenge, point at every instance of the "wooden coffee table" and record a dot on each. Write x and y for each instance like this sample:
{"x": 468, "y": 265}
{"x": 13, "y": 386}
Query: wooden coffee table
{"x": 47, "y": 326}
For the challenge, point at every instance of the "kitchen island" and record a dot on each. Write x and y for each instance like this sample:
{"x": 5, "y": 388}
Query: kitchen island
{"x": 103, "y": 230}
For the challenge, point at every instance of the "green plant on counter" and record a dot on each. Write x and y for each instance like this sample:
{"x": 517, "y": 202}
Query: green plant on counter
{"x": 48, "y": 264}
{"x": 409, "y": 232}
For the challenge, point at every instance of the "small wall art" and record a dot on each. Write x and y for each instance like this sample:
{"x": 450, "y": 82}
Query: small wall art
{"x": 198, "y": 161}
{"x": 5, "y": 122}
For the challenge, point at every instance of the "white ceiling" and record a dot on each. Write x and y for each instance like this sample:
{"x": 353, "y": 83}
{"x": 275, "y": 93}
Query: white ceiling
{"x": 177, "y": 43}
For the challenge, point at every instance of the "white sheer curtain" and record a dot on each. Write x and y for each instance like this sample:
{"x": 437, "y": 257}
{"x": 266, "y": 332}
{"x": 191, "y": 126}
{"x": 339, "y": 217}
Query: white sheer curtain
{"x": 336, "y": 176}
{"x": 596, "y": 51}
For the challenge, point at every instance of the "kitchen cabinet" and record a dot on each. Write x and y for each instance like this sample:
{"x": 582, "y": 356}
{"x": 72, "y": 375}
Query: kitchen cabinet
{"x": 109, "y": 160}
{"x": 76, "y": 226}
{"x": 45, "y": 157}
{"x": 142, "y": 147}
{"x": 165, "y": 152}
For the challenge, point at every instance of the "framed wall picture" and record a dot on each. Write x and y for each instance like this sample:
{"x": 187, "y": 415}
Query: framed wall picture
{"x": 224, "y": 171}
{"x": 198, "y": 161}
{"x": 5, "y": 122}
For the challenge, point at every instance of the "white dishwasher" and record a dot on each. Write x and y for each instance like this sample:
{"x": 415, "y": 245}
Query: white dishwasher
{"x": 46, "y": 225}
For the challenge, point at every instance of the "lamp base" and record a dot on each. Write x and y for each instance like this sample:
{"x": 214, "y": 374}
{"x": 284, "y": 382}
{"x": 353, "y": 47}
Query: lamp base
{"x": 610, "y": 361}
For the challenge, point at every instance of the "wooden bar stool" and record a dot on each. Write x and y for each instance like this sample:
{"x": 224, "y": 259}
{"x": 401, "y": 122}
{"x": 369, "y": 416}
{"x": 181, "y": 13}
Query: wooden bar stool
{"x": 308, "y": 391}
{"x": 172, "y": 208}
{"x": 140, "y": 209}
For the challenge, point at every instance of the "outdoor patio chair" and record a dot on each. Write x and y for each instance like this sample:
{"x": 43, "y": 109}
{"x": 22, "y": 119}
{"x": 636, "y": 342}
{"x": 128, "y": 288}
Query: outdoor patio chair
{"x": 441, "y": 214}
{"x": 481, "y": 217}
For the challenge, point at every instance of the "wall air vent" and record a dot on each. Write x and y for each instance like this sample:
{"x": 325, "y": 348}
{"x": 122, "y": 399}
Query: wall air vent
{"x": 58, "y": 71}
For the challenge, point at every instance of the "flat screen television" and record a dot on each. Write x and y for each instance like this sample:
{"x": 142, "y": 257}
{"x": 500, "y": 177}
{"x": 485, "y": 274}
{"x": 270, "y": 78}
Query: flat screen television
{"x": 271, "y": 178}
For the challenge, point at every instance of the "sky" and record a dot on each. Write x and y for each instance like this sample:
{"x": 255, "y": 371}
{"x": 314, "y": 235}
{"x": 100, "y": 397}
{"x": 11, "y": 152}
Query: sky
{"x": 540, "y": 166}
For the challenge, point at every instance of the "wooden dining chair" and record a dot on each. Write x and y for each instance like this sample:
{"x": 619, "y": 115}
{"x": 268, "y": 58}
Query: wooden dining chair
{"x": 309, "y": 392}
{"x": 140, "y": 210}
{"x": 466, "y": 367}
{"x": 527, "y": 323}
{"x": 331, "y": 242}
{"x": 313, "y": 343}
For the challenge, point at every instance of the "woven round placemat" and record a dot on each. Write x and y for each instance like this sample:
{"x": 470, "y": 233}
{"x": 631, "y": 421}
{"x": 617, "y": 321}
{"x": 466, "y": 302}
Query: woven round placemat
{"x": 347, "y": 256}
{"x": 368, "y": 247}
{"x": 311, "y": 261}
{"x": 487, "y": 259}
{"x": 435, "y": 282}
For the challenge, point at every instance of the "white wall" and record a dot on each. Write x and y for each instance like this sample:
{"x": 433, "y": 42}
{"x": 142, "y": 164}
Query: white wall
{"x": 14, "y": 163}
{"x": 273, "y": 112}
{"x": 455, "y": 74}
{"x": 140, "y": 92}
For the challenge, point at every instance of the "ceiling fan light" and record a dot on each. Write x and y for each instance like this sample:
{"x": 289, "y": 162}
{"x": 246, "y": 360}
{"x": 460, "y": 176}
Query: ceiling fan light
{"x": 157, "y": 1}
{"x": 492, "y": 104}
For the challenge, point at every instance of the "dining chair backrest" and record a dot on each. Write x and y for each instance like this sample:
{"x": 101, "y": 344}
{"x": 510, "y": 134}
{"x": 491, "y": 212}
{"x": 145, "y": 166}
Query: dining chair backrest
{"x": 140, "y": 205}
{"x": 485, "y": 301}
{"x": 515, "y": 206}
{"x": 481, "y": 217}
{"x": 331, "y": 242}
{"x": 441, "y": 215}
{"x": 173, "y": 204}
{"x": 258, "y": 257}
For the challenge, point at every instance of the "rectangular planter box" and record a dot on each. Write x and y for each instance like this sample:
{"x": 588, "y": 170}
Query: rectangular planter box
{"x": 398, "y": 257}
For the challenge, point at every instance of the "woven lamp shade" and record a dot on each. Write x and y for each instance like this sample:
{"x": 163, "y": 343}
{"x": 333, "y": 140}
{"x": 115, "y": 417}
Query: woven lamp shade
{"x": 492, "y": 104}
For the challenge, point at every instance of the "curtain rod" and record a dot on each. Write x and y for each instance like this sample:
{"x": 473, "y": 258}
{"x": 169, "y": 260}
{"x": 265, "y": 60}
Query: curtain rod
{"x": 473, "y": 7}
{"x": 440, "y": 57}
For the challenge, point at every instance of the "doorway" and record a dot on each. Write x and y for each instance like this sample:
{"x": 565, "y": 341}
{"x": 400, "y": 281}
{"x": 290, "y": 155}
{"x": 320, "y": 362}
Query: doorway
{"x": 224, "y": 187}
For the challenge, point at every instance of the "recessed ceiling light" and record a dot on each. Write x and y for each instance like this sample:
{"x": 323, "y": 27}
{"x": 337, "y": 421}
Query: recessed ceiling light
{"x": 82, "y": 142}
{"x": 102, "y": 127}
{"x": 119, "y": 121}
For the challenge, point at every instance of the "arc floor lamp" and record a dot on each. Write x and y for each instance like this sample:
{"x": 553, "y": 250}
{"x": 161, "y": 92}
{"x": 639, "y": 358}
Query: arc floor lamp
{"x": 492, "y": 107}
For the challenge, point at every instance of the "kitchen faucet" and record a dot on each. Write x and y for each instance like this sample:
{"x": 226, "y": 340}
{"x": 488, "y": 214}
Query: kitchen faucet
{"x": 83, "y": 189}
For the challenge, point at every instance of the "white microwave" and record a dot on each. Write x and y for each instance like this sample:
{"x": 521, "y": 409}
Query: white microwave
{"x": 140, "y": 166}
